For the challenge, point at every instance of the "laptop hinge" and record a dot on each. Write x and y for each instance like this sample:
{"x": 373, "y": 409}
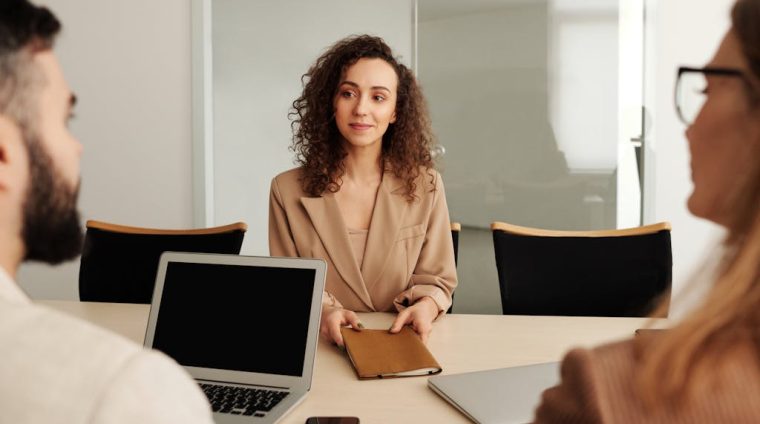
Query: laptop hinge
{"x": 230, "y": 383}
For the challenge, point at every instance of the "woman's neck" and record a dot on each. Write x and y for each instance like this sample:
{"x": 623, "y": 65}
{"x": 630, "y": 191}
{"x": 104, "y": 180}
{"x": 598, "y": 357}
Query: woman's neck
{"x": 363, "y": 164}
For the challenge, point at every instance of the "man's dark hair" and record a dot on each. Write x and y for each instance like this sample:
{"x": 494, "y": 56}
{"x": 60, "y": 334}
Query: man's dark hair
{"x": 22, "y": 24}
{"x": 24, "y": 30}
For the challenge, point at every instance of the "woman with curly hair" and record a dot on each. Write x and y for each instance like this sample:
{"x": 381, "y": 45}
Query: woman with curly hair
{"x": 366, "y": 197}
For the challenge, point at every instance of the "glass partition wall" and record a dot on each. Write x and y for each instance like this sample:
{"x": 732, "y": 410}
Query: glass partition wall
{"x": 536, "y": 105}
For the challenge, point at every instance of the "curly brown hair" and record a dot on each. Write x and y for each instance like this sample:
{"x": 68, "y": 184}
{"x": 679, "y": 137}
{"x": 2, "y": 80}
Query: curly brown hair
{"x": 316, "y": 139}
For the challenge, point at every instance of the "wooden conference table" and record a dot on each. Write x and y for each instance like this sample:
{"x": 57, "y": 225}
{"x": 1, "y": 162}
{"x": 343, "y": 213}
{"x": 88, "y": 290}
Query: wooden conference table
{"x": 460, "y": 343}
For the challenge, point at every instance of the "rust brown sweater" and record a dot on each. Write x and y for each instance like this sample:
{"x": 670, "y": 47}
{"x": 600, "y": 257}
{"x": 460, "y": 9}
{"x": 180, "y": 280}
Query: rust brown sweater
{"x": 598, "y": 387}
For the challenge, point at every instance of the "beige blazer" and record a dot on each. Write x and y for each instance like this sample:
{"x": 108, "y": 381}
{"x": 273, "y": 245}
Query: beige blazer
{"x": 409, "y": 252}
{"x": 598, "y": 387}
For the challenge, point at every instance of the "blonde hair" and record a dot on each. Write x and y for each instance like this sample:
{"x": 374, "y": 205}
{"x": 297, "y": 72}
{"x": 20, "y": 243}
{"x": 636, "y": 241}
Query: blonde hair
{"x": 690, "y": 355}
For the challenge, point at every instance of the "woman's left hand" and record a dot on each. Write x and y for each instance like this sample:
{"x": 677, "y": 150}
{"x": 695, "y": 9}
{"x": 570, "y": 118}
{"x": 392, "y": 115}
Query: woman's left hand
{"x": 420, "y": 315}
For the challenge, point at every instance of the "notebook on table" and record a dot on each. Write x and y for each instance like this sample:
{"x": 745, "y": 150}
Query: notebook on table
{"x": 213, "y": 314}
{"x": 505, "y": 395}
{"x": 381, "y": 354}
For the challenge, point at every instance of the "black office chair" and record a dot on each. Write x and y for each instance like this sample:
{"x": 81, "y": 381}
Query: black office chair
{"x": 621, "y": 273}
{"x": 119, "y": 263}
{"x": 455, "y": 229}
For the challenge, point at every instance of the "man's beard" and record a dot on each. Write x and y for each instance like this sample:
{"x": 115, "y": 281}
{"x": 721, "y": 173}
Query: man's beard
{"x": 51, "y": 230}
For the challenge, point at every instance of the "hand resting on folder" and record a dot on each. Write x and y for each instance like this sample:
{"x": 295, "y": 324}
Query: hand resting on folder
{"x": 419, "y": 316}
{"x": 335, "y": 318}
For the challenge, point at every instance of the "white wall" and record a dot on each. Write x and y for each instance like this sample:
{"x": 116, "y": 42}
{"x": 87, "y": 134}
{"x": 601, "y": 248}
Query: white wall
{"x": 684, "y": 32}
{"x": 129, "y": 64}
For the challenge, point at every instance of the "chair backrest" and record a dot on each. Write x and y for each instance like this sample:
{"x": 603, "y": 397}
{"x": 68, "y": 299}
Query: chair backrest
{"x": 455, "y": 229}
{"x": 119, "y": 263}
{"x": 582, "y": 273}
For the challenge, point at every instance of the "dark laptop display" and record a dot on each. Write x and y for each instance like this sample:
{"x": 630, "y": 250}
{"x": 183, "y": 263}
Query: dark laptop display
{"x": 233, "y": 317}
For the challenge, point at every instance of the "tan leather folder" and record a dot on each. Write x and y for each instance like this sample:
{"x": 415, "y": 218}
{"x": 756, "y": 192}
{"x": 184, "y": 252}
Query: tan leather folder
{"x": 380, "y": 354}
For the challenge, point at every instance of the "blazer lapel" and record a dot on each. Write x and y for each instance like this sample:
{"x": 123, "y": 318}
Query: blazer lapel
{"x": 387, "y": 217}
{"x": 327, "y": 220}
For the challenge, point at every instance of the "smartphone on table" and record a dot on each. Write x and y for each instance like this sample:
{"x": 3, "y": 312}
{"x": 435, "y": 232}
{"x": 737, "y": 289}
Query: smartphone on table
{"x": 332, "y": 420}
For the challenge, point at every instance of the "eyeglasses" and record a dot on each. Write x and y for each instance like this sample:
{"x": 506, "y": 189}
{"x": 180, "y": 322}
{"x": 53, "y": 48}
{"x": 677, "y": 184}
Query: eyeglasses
{"x": 691, "y": 89}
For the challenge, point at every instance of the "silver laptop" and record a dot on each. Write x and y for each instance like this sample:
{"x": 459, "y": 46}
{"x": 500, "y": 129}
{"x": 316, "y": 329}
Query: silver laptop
{"x": 505, "y": 395}
{"x": 244, "y": 327}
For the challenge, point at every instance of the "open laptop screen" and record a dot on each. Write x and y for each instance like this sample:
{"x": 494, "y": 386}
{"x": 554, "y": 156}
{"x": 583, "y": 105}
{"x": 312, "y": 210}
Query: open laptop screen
{"x": 234, "y": 317}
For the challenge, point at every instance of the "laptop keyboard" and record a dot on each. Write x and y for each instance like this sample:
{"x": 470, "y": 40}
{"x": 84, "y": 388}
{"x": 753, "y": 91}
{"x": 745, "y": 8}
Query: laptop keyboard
{"x": 241, "y": 400}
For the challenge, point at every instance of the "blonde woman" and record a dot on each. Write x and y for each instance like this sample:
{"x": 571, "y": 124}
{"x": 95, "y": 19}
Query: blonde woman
{"x": 707, "y": 368}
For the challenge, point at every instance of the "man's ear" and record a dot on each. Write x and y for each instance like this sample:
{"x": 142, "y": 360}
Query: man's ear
{"x": 3, "y": 140}
{"x": 12, "y": 151}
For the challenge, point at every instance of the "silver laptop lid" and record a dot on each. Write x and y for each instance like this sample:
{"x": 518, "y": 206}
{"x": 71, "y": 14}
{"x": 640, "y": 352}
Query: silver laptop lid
{"x": 505, "y": 395}
{"x": 238, "y": 319}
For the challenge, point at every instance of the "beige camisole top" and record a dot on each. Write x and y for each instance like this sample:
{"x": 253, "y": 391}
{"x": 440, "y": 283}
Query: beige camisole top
{"x": 358, "y": 244}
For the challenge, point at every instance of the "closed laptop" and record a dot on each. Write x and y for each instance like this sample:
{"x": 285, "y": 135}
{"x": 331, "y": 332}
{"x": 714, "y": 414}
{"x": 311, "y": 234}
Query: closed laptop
{"x": 498, "y": 396}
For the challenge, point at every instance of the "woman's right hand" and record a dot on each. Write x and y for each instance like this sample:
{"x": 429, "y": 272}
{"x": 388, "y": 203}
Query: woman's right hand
{"x": 333, "y": 319}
